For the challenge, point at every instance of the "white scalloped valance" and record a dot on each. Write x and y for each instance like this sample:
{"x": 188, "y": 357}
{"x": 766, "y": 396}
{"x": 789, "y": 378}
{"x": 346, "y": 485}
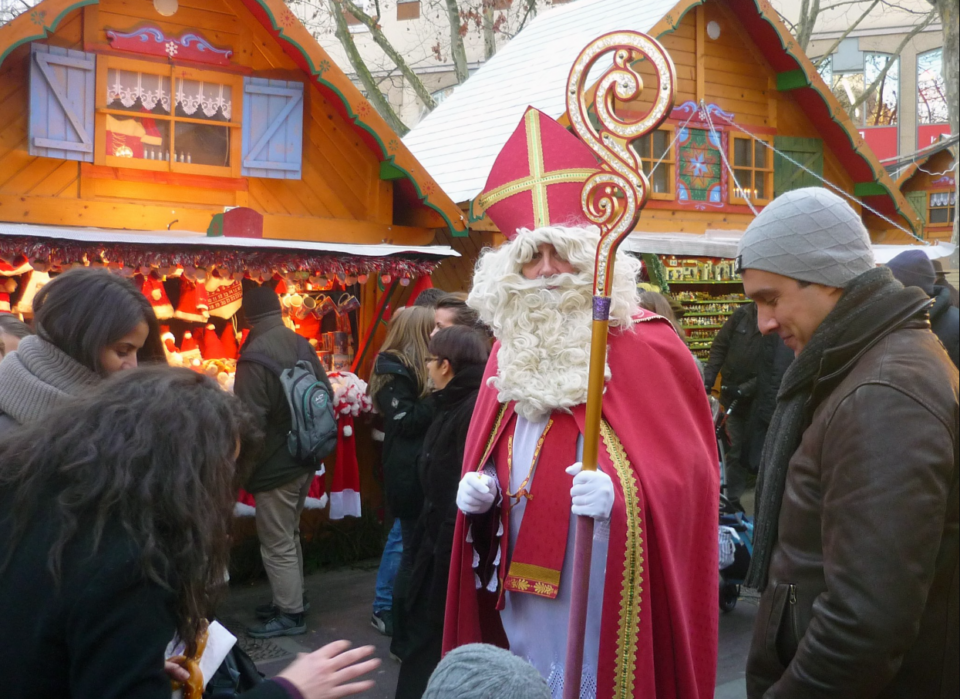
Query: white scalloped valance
{"x": 943, "y": 198}
{"x": 210, "y": 99}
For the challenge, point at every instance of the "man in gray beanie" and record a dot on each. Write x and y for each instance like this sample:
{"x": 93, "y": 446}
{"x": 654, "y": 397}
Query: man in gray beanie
{"x": 856, "y": 542}
{"x": 482, "y": 671}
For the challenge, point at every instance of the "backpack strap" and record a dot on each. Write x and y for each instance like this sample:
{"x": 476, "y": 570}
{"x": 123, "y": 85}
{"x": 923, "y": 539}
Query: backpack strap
{"x": 262, "y": 360}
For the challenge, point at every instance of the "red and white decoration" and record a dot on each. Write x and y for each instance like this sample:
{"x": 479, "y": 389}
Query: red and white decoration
{"x": 350, "y": 399}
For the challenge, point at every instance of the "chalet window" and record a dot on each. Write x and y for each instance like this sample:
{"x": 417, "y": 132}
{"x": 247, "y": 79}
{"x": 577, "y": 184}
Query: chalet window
{"x": 882, "y": 107}
{"x": 408, "y": 9}
{"x": 653, "y": 147}
{"x": 943, "y": 207}
{"x": 153, "y": 116}
{"x": 931, "y": 90}
{"x": 753, "y": 168}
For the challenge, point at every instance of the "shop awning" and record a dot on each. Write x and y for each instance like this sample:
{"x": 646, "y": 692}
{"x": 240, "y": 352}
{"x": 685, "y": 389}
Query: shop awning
{"x": 68, "y": 244}
{"x": 723, "y": 243}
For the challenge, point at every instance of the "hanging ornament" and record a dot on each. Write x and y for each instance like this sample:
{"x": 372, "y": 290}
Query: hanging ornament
{"x": 386, "y": 278}
{"x": 405, "y": 281}
{"x": 362, "y": 278}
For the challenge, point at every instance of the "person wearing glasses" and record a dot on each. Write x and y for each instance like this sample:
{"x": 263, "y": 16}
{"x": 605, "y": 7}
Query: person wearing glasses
{"x": 458, "y": 355}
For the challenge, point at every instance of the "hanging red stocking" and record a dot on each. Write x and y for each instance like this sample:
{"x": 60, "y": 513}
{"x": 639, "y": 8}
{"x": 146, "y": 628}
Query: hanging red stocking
{"x": 345, "y": 489}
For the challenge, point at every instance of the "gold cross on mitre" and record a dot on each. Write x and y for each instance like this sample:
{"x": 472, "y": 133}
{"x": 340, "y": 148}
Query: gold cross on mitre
{"x": 538, "y": 180}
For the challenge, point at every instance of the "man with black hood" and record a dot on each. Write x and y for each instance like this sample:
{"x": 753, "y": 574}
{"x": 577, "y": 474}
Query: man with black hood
{"x": 914, "y": 268}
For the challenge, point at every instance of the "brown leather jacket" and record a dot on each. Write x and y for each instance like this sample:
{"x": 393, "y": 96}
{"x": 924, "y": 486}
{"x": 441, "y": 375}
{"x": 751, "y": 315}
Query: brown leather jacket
{"x": 862, "y": 599}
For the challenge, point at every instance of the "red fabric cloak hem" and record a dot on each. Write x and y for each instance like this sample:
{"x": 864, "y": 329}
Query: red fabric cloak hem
{"x": 658, "y": 633}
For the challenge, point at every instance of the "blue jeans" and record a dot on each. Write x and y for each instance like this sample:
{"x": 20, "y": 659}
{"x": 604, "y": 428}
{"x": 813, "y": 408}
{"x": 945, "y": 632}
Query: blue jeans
{"x": 389, "y": 563}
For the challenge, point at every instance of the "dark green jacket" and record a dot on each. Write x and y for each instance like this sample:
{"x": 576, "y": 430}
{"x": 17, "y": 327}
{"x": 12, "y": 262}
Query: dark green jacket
{"x": 261, "y": 391}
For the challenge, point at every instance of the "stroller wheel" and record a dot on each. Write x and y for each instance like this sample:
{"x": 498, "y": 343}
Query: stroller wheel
{"x": 728, "y": 596}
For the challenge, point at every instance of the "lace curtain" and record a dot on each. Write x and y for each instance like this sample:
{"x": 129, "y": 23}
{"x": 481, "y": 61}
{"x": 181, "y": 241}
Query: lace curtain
{"x": 943, "y": 198}
{"x": 196, "y": 98}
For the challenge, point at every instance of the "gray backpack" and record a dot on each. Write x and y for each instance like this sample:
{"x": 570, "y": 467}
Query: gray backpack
{"x": 313, "y": 431}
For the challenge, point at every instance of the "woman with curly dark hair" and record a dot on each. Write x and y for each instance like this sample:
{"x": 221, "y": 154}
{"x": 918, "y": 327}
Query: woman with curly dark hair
{"x": 115, "y": 516}
{"x": 89, "y": 324}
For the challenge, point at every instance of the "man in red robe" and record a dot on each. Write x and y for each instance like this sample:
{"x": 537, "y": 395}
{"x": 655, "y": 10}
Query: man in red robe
{"x": 652, "y": 609}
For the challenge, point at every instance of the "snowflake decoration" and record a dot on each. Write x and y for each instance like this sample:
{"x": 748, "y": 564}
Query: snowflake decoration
{"x": 38, "y": 17}
{"x": 171, "y": 49}
{"x": 364, "y": 109}
{"x": 323, "y": 67}
{"x": 392, "y": 145}
{"x": 429, "y": 188}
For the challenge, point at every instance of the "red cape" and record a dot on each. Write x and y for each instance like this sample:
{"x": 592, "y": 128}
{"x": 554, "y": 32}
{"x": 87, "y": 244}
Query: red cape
{"x": 658, "y": 633}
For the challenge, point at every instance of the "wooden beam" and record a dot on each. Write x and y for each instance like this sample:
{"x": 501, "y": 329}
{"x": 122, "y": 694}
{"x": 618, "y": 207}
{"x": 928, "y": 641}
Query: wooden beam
{"x": 389, "y": 171}
{"x": 152, "y": 217}
{"x": 338, "y": 230}
{"x": 791, "y": 80}
{"x": 701, "y": 50}
{"x": 866, "y": 189}
{"x": 105, "y": 172}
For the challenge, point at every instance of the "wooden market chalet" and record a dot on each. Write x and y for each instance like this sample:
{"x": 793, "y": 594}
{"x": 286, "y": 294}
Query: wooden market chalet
{"x": 929, "y": 185}
{"x": 752, "y": 119}
{"x": 221, "y": 138}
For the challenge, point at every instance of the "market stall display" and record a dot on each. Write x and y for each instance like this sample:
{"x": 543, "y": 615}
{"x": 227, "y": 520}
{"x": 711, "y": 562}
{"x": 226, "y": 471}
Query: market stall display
{"x": 709, "y": 290}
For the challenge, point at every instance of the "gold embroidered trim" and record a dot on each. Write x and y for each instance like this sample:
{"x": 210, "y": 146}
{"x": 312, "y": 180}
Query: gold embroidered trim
{"x": 631, "y": 592}
{"x": 493, "y": 437}
{"x": 534, "y": 572}
{"x": 507, "y": 190}
{"x": 533, "y": 587}
{"x": 541, "y": 213}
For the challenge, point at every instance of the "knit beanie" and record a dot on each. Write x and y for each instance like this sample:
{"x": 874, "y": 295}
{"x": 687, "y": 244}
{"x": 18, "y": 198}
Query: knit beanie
{"x": 914, "y": 268}
{"x": 810, "y": 235}
{"x": 481, "y": 671}
{"x": 260, "y": 301}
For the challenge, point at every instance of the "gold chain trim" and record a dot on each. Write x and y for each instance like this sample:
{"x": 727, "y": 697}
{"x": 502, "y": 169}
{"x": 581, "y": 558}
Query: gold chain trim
{"x": 631, "y": 592}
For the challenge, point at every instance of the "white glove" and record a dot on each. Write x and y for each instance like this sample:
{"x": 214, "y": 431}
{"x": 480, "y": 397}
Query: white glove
{"x": 476, "y": 493}
{"x": 592, "y": 492}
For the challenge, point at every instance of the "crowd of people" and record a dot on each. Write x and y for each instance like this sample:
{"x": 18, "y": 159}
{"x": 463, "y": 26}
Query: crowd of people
{"x": 118, "y": 477}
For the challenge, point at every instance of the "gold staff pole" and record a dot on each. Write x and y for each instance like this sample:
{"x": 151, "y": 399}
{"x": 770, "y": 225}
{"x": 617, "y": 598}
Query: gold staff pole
{"x": 612, "y": 199}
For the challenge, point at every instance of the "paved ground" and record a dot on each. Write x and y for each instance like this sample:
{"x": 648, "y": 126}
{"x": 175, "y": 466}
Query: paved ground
{"x": 340, "y": 608}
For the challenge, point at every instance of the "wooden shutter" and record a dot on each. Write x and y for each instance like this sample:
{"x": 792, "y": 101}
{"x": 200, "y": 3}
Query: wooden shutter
{"x": 62, "y": 86}
{"x": 918, "y": 200}
{"x": 806, "y": 151}
{"x": 272, "y": 128}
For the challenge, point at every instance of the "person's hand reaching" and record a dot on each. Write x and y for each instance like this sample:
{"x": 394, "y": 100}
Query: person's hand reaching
{"x": 327, "y": 673}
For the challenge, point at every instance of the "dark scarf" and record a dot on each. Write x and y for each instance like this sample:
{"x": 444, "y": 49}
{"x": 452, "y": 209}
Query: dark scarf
{"x": 860, "y": 300}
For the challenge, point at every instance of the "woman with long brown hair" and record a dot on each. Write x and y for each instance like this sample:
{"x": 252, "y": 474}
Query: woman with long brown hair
{"x": 115, "y": 516}
{"x": 400, "y": 389}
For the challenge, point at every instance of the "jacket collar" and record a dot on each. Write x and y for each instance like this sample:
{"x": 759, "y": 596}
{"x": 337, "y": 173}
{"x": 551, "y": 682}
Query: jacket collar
{"x": 259, "y": 325}
{"x": 465, "y": 383}
{"x": 896, "y": 311}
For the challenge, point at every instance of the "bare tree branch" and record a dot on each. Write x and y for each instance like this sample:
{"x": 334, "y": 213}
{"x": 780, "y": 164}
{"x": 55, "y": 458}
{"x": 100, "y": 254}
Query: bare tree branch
{"x": 809, "y": 13}
{"x": 871, "y": 88}
{"x": 843, "y": 36}
{"x": 457, "y": 50}
{"x": 383, "y": 42}
{"x": 489, "y": 36}
{"x": 370, "y": 85}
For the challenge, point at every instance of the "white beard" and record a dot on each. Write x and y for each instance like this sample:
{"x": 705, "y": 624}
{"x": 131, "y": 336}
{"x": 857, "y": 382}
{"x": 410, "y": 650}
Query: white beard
{"x": 544, "y": 327}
